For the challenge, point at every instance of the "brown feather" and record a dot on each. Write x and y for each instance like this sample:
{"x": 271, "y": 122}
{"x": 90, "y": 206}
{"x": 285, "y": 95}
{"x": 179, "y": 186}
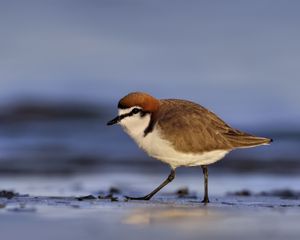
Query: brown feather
{"x": 193, "y": 128}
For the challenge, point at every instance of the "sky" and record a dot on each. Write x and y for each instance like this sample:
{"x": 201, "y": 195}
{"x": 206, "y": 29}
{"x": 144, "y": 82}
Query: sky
{"x": 240, "y": 58}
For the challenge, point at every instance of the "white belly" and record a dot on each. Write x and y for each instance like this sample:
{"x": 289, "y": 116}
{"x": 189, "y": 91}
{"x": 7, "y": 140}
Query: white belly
{"x": 163, "y": 150}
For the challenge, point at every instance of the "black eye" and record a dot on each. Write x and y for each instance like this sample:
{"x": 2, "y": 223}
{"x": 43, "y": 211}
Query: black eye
{"x": 135, "y": 110}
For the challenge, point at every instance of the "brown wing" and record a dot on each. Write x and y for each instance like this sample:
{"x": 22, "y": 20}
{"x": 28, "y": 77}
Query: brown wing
{"x": 193, "y": 128}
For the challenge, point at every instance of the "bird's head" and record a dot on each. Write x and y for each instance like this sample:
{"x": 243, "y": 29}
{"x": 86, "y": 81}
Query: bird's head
{"x": 135, "y": 110}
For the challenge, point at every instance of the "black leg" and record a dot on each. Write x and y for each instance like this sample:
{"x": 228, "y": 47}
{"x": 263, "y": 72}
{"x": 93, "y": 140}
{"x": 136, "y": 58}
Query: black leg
{"x": 205, "y": 173}
{"x": 150, "y": 195}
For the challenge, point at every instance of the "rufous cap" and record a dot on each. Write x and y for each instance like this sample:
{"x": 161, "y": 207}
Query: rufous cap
{"x": 143, "y": 100}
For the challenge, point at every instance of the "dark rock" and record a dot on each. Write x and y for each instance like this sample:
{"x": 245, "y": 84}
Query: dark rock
{"x": 282, "y": 193}
{"x": 8, "y": 194}
{"x": 88, "y": 197}
{"x": 182, "y": 192}
{"x": 114, "y": 190}
{"x": 109, "y": 197}
{"x": 244, "y": 193}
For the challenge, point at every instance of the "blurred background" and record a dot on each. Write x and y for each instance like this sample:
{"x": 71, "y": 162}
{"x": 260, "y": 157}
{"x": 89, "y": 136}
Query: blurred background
{"x": 65, "y": 64}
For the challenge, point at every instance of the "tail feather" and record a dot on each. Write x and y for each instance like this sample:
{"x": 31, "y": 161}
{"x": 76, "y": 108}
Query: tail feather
{"x": 244, "y": 140}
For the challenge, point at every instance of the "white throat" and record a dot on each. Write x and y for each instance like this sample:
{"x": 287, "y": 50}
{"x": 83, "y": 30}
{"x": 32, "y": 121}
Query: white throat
{"x": 134, "y": 125}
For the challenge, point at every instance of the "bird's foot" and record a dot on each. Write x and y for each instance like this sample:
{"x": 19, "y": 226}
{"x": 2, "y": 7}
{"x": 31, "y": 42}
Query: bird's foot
{"x": 145, "y": 198}
{"x": 205, "y": 200}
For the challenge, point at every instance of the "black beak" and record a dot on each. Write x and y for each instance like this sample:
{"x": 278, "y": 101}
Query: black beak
{"x": 114, "y": 121}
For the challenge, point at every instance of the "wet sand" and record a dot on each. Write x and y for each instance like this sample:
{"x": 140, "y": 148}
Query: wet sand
{"x": 172, "y": 217}
{"x": 49, "y": 208}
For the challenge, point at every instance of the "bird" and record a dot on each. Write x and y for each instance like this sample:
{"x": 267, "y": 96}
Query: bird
{"x": 179, "y": 133}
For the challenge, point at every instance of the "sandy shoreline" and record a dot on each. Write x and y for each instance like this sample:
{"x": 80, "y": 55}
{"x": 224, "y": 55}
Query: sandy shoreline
{"x": 242, "y": 207}
{"x": 226, "y": 217}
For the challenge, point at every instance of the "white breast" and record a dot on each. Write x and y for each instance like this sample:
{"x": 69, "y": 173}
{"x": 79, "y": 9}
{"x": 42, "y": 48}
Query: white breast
{"x": 161, "y": 149}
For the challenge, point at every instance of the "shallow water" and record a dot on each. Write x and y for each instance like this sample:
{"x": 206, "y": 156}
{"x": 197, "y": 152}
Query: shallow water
{"x": 138, "y": 182}
{"x": 83, "y": 145}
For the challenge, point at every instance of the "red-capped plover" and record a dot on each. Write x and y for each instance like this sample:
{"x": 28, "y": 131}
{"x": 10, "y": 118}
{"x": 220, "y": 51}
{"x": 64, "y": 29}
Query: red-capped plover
{"x": 179, "y": 133}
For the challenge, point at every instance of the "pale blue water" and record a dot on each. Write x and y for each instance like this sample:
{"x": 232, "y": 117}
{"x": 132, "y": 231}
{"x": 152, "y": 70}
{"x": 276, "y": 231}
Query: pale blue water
{"x": 71, "y": 144}
{"x": 239, "y": 59}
